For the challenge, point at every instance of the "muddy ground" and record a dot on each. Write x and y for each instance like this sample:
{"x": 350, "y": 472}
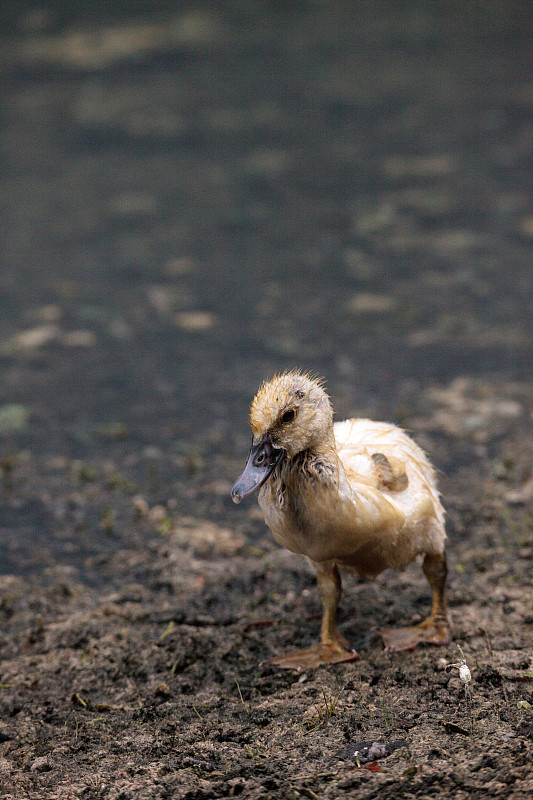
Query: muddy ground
{"x": 156, "y": 689}
{"x": 194, "y": 198}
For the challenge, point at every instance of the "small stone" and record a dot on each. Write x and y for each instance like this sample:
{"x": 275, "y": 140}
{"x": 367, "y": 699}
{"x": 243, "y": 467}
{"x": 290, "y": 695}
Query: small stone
{"x": 163, "y": 690}
{"x": 49, "y": 314}
{"x": 141, "y": 506}
{"x": 119, "y": 329}
{"x": 5, "y": 766}
{"x": 41, "y": 764}
{"x": 13, "y": 417}
{"x": 158, "y": 513}
{"x": 370, "y": 303}
{"x": 162, "y": 299}
{"x": 151, "y": 451}
{"x": 526, "y": 227}
{"x": 364, "y": 752}
{"x": 32, "y": 339}
{"x": 522, "y": 495}
{"x": 134, "y": 204}
{"x": 506, "y": 737}
{"x": 372, "y": 221}
{"x": 195, "y": 321}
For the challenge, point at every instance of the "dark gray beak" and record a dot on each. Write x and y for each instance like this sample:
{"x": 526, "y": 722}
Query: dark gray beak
{"x": 262, "y": 459}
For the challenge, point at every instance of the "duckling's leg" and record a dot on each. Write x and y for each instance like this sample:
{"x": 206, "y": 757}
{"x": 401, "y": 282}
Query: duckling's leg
{"x": 333, "y": 647}
{"x": 436, "y": 628}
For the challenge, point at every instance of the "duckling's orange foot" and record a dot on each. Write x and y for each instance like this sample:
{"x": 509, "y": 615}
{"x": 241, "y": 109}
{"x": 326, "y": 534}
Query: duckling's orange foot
{"x": 431, "y": 632}
{"x": 323, "y": 653}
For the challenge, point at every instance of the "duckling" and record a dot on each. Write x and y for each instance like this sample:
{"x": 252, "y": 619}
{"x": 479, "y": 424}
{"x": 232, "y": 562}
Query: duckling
{"x": 357, "y": 495}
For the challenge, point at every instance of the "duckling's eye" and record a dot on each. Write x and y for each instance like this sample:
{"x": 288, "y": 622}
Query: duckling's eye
{"x": 288, "y": 416}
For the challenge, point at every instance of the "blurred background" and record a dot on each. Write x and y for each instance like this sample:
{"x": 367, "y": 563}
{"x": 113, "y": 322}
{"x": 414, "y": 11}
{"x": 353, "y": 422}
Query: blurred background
{"x": 196, "y": 195}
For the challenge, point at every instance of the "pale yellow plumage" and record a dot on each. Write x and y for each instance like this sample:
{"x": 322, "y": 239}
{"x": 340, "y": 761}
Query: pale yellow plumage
{"x": 360, "y": 495}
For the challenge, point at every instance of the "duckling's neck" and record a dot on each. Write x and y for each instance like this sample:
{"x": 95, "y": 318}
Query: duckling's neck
{"x": 312, "y": 467}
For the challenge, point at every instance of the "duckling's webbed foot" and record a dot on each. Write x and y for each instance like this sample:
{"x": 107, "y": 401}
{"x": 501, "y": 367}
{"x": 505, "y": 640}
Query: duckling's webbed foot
{"x": 431, "y": 631}
{"x": 333, "y": 647}
{"x": 333, "y": 652}
{"x": 391, "y": 473}
{"x": 436, "y": 628}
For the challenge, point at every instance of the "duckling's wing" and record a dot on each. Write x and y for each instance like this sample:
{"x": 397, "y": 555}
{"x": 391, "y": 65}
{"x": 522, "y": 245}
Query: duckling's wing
{"x": 359, "y": 441}
{"x": 370, "y": 454}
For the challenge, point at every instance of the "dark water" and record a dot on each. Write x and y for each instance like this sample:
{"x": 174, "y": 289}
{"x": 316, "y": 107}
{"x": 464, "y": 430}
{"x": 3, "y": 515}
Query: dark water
{"x": 196, "y": 197}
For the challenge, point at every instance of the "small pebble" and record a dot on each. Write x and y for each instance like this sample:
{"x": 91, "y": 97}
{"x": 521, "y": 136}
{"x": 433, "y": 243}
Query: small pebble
{"x": 41, "y": 764}
{"x": 369, "y": 303}
{"x": 141, "y": 506}
{"x": 163, "y": 690}
{"x": 13, "y": 417}
{"x": 195, "y": 321}
{"x": 50, "y": 313}
{"x": 158, "y": 513}
{"x": 526, "y": 227}
{"x": 5, "y": 766}
{"x": 33, "y": 338}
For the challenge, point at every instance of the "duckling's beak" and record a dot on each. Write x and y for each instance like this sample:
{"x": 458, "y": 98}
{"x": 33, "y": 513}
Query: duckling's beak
{"x": 262, "y": 459}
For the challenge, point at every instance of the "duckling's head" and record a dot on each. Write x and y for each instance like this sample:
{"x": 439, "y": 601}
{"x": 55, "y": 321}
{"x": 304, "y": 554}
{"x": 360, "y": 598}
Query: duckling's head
{"x": 294, "y": 410}
{"x": 289, "y": 414}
